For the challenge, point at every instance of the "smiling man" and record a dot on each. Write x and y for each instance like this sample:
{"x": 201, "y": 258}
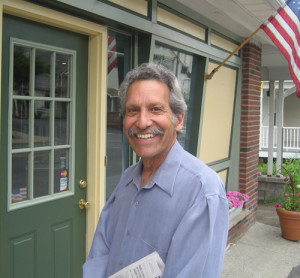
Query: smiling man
{"x": 169, "y": 202}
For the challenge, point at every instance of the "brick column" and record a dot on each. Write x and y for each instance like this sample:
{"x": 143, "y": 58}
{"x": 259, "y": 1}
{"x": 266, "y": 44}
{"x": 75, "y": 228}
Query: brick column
{"x": 249, "y": 137}
{"x": 250, "y": 123}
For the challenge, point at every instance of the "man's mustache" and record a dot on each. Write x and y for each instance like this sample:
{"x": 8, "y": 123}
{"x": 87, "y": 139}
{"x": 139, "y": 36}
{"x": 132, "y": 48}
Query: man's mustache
{"x": 155, "y": 130}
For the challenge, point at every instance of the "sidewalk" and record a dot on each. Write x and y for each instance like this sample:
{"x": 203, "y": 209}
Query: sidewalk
{"x": 262, "y": 252}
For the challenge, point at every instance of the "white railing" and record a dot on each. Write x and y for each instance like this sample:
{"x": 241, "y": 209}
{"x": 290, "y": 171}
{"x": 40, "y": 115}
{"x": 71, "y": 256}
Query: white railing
{"x": 290, "y": 138}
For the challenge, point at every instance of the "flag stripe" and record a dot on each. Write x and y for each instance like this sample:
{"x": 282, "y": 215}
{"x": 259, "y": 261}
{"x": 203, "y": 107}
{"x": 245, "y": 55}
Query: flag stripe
{"x": 284, "y": 30}
{"x": 111, "y": 54}
{"x": 284, "y": 47}
{"x": 286, "y": 55}
{"x": 286, "y": 51}
{"x": 288, "y": 35}
{"x": 292, "y": 20}
{"x": 19, "y": 195}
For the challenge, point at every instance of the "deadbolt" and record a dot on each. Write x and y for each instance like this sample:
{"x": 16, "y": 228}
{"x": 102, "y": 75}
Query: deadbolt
{"x": 82, "y": 184}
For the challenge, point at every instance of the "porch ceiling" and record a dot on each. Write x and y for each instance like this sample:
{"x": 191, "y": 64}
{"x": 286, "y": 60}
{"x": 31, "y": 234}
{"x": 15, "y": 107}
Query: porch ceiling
{"x": 243, "y": 17}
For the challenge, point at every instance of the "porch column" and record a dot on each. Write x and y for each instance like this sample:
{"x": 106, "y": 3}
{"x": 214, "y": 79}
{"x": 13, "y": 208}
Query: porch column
{"x": 271, "y": 127}
{"x": 279, "y": 127}
{"x": 250, "y": 127}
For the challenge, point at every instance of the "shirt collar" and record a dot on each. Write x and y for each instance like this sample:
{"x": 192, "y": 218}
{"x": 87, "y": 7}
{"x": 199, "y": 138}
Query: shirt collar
{"x": 165, "y": 175}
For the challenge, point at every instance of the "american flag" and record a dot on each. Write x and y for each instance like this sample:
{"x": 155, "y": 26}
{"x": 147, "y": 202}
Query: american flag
{"x": 19, "y": 194}
{"x": 112, "y": 53}
{"x": 284, "y": 30}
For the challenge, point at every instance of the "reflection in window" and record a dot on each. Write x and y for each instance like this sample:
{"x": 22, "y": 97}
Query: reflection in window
{"x": 19, "y": 188}
{"x": 42, "y": 73}
{"x": 181, "y": 65}
{"x": 62, "y": 123}
{"x": 41, "y": 173}
{"x": 118, "y": 65}
{"x": 62, "y": 80}
{"x": 21, "y": 70}
{"x": 41, "y": 123}
{"x": 20, "y": 123}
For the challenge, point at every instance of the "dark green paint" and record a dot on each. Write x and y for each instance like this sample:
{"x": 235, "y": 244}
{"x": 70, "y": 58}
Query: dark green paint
{"x": 45, "y": 240}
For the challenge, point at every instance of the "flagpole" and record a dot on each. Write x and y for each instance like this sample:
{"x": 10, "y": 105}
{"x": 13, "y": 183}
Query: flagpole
{"x": 210, "y": 75}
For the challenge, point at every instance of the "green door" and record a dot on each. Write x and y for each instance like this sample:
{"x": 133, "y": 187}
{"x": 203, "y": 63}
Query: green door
{"x": 43, "y": 150}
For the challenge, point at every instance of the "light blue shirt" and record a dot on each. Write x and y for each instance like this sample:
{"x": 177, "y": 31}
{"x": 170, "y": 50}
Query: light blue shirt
{"x": 182, "y": 214}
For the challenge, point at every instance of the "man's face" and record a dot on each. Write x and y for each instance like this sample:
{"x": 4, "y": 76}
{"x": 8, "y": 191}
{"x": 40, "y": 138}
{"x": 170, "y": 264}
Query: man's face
{"x": 148, "y": 121}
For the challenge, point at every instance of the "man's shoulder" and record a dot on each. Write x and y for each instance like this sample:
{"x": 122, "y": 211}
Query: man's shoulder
{"x": 193, "y": 164}
{"x": 192, "y": 168}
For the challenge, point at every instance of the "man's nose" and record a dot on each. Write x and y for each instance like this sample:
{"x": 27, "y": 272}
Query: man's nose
{"x": 144, "y": 120}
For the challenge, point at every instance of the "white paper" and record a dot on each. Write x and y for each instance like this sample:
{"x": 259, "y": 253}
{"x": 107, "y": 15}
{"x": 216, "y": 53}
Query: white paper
{"x": 151, "y": 266}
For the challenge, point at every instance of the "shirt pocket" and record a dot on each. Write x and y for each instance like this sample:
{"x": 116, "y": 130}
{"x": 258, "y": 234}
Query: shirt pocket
{"x": 150, "y": 246}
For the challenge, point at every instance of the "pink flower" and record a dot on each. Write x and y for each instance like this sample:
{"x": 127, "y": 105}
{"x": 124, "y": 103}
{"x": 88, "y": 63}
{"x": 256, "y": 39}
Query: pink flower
{"x": 286, "y": 194}
{"x": 277, "y": 206}
{"x": 236, "y": 198}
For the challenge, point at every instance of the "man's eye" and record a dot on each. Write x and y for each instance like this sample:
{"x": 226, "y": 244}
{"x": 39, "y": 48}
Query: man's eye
{"x": 156, "y": 109}
{"x": 131, "y": 110}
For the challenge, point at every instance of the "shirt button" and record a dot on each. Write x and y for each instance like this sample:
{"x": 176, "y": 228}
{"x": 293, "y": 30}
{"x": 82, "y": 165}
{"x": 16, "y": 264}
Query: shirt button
{"x": 128, "y": 233}
{"x": 136, "y": 203}
{"x": 120, "y": 263}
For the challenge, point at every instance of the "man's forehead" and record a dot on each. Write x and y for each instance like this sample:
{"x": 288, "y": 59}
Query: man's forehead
{"x": 151, "y": 92}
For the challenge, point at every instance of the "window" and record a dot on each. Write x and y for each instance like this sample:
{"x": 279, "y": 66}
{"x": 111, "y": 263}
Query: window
{"x": 181, "y": 65}
{"x": 119, "y": 57}
{"x": 41, "y": 114}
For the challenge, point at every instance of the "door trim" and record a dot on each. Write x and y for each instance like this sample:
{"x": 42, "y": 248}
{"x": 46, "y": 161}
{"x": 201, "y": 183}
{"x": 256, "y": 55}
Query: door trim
{"x": 97, "y": 65}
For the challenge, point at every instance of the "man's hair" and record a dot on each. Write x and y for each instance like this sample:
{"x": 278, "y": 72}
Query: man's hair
{"x": 151, "y": 71}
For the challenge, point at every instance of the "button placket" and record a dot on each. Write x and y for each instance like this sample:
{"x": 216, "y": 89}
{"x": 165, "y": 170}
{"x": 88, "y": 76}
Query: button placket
{"x": 136, "y": 200}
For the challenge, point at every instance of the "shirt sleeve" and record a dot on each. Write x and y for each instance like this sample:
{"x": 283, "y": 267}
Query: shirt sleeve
{"x": 199, "y": 243}
{"x": 96, "y": 263}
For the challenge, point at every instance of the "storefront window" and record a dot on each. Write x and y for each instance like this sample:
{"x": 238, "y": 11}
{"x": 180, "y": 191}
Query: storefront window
{"x": 180, "y": 64}
{"x": 119, "y": 49}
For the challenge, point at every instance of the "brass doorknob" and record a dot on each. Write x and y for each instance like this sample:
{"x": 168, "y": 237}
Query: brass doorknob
{"x": 83, "y": 204}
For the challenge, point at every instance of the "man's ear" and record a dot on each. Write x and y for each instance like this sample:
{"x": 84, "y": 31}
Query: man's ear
{"x": 179, "y": 122}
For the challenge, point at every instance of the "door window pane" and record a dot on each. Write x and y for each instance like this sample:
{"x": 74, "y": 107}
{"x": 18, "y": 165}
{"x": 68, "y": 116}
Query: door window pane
{"x": 41, "y": 173}
{"x": 41, "y": 123}
{"x": 62, "y": 70}
{"x": 21, "y": 70}
{"x": 61, "y": 168}
{"x": 62, "y": 123}
{"x": 180, "y": 64}
{"x": 42, "y": 73}
{"x": 19, "y": 175}
{"x": 118, "y": 56}
{"x": 20, "y": 123}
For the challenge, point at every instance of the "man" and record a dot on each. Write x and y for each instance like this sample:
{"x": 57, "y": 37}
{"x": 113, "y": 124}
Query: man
{"x": 169, "y": 202}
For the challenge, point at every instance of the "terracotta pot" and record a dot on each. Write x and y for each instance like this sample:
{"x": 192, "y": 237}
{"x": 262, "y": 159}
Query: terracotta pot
{"x": 289, "y": 223}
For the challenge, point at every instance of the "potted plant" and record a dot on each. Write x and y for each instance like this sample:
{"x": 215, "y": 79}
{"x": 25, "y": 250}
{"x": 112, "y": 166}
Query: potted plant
{"x": 235, "y": 201}
{"x": 288, "y": 210}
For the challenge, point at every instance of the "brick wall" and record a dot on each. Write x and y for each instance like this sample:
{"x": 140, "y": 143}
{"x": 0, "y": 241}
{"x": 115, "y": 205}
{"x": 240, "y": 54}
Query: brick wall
{"x": 249, "y": 137}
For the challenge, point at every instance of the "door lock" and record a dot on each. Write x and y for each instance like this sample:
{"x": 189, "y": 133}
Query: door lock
{"x": 83, "y": 204}
{"x": 82, "y": 184}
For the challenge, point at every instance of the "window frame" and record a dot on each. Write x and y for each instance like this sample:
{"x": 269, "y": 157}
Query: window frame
{"x": 192, "y": 123}
{"x": 51, "y": 148}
